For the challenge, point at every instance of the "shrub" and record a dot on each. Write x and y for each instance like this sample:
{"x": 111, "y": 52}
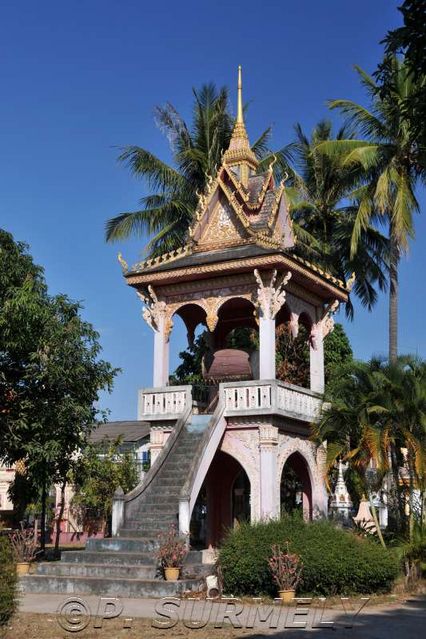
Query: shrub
{"x": 285, "y": 567}
{"x": 335, "y": 562}
{"x": 7, "y": 581}
{"x": 172, "y": 550}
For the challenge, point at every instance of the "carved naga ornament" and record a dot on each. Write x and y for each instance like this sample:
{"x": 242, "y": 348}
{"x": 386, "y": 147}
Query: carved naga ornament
{"x": 270, "y": 298}
{"x": 328, "y": 321}
{"x": 154, "y": 311}
{"x": 324, "y": 326}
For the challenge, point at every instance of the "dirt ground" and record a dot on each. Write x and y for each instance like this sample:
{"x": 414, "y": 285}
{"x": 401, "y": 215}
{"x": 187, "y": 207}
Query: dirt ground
{"x": 42, "y": 626}
{"x": 383, "y": 617}
{"x": 385, "y": 620}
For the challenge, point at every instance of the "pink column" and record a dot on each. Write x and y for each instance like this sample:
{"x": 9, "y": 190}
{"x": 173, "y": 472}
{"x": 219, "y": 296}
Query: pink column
{"x": 268, "y": 449}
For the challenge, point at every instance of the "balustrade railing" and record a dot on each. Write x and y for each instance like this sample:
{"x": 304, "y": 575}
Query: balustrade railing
{"x": 168, "y": 402}
{"x": 246, "y": 397}
{"x": 239, "y": 398}
{"x": 299, "y": 403}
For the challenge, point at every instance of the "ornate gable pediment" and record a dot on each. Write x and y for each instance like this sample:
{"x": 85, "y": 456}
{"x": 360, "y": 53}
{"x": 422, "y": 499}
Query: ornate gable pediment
{"x": 241, "y": 205}
{"x": 222, "y": 229}
{"x": 230, "y": 213}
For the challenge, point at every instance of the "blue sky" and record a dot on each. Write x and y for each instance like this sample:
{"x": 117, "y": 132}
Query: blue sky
{"x": 80, "y": 78}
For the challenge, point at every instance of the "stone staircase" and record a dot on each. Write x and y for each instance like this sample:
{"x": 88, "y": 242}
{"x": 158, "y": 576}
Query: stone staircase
{"x": 158, "y": 506}
{"x": 126, "y": 565}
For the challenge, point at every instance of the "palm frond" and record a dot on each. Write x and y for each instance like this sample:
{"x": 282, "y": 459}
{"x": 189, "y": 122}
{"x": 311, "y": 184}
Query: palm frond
{"x": 159, "y": 175}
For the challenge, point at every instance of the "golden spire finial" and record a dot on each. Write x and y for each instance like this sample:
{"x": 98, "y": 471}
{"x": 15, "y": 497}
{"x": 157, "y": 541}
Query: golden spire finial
{"x": 240, "y": 115}
{"x": 239, "y": 152}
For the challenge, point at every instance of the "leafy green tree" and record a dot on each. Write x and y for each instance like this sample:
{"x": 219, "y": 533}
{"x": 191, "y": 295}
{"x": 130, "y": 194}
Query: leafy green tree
{"x": 324, "y": 213}
{"x": 50, "y": 374}
{"x": 197, "y": 151}
{"x": 99, "y": 471}
{"x": 189, "y": 371}
{"x": 392, "y": 165}
{"x": 409, "y": 40}
{"x": 337, "y": 352}
{"x": 378, "y": 416}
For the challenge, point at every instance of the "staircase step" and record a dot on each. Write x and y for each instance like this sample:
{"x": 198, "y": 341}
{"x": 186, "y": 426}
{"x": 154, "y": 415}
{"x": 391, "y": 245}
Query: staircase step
{"x": 121, "y": 544}
{"x": 107, "y": 586}
{"x": 104, "y": 557}
{"x": 76, "y": 569}
{"x": 136, "y": 532}
{"x": 126, "y": 565}
{"x": 151, "y": 532}
{"x": 158, "y": 498}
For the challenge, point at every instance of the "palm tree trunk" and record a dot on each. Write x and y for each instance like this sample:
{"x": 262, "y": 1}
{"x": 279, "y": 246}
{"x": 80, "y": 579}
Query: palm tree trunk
{"x": 398, "y": 512}
{"x": 393, "y": 296}
{"x": 376, "y": 521}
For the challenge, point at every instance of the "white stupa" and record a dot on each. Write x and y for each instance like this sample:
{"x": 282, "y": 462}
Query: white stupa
{"x": 341, "y": 503}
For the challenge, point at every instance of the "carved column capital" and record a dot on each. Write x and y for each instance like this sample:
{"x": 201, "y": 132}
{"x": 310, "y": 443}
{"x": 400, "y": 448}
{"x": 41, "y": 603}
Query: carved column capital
{"x": 154, "y": 310}
{"x": 269, "y": 298}
{"x": 268, "y": 436}
{"x": 327, "y": 323}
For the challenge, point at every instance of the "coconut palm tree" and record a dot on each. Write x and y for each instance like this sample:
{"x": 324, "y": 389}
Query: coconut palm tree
{"x": 324, "y": 216}
{"x": 197, "y": 150}
{"x": 392, "y": 163}
{"x": 378, "y": 417}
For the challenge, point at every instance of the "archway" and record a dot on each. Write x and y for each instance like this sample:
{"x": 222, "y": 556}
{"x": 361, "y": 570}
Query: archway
{"x": 234, "y": 343}
{"x": 296, "y": 487}
{"x": 222, "y": 503}
{"x": 192, "y": 315}
{"x": 235, "y": 313}
{"x": 292, "y": 347}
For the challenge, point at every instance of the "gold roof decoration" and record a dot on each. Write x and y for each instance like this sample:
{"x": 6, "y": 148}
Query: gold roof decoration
{"x": 123, "y": 263}
{"x": 239, "y": 150}
{"x": 239, "y": 205}
{"x": 241, "y": 220}
{"x": 182, "y": 251}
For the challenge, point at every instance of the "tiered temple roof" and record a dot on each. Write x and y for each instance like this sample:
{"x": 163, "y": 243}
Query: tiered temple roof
{"x": 241, "y": 218}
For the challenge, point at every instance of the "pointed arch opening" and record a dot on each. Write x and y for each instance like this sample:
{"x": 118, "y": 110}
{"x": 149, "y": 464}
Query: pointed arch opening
{"x": 192, "y": 315}
{"x": 296, "y": 487}
{"x": 223, "y": 503}
{"x": 292, "y": 347}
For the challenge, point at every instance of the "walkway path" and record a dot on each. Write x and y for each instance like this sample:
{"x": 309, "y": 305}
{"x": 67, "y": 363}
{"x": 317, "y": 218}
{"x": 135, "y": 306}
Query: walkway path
{"x": 387, "y": 621}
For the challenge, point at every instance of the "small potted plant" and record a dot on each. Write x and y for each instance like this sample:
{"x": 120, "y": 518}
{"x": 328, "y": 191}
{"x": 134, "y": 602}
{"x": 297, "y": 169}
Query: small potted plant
{"x": 24, "y": 546}
{"x": 286, "y": 569}
{"x": 171, "y": 553}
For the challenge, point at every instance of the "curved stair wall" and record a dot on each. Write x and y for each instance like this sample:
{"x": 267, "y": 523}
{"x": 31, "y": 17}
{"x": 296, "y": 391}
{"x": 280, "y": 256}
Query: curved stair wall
{"x": 201, "y": 463}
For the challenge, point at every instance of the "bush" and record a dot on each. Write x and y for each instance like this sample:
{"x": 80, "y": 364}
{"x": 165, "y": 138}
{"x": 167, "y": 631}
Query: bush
{"x": 335, "y": 562}
{"x": 7, "y": 581}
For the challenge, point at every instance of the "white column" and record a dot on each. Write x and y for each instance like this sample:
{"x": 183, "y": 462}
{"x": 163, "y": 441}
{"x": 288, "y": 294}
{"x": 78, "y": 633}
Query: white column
{"x": 266, "y": 347}
{"x": 157, "y": 442}
{"x": 117, "y": 511}
{"x": 184, "y": 517}
{"x": 316, "y": 356}
{"x": 161, "y": 355}
{"x": 268, "y": 447}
